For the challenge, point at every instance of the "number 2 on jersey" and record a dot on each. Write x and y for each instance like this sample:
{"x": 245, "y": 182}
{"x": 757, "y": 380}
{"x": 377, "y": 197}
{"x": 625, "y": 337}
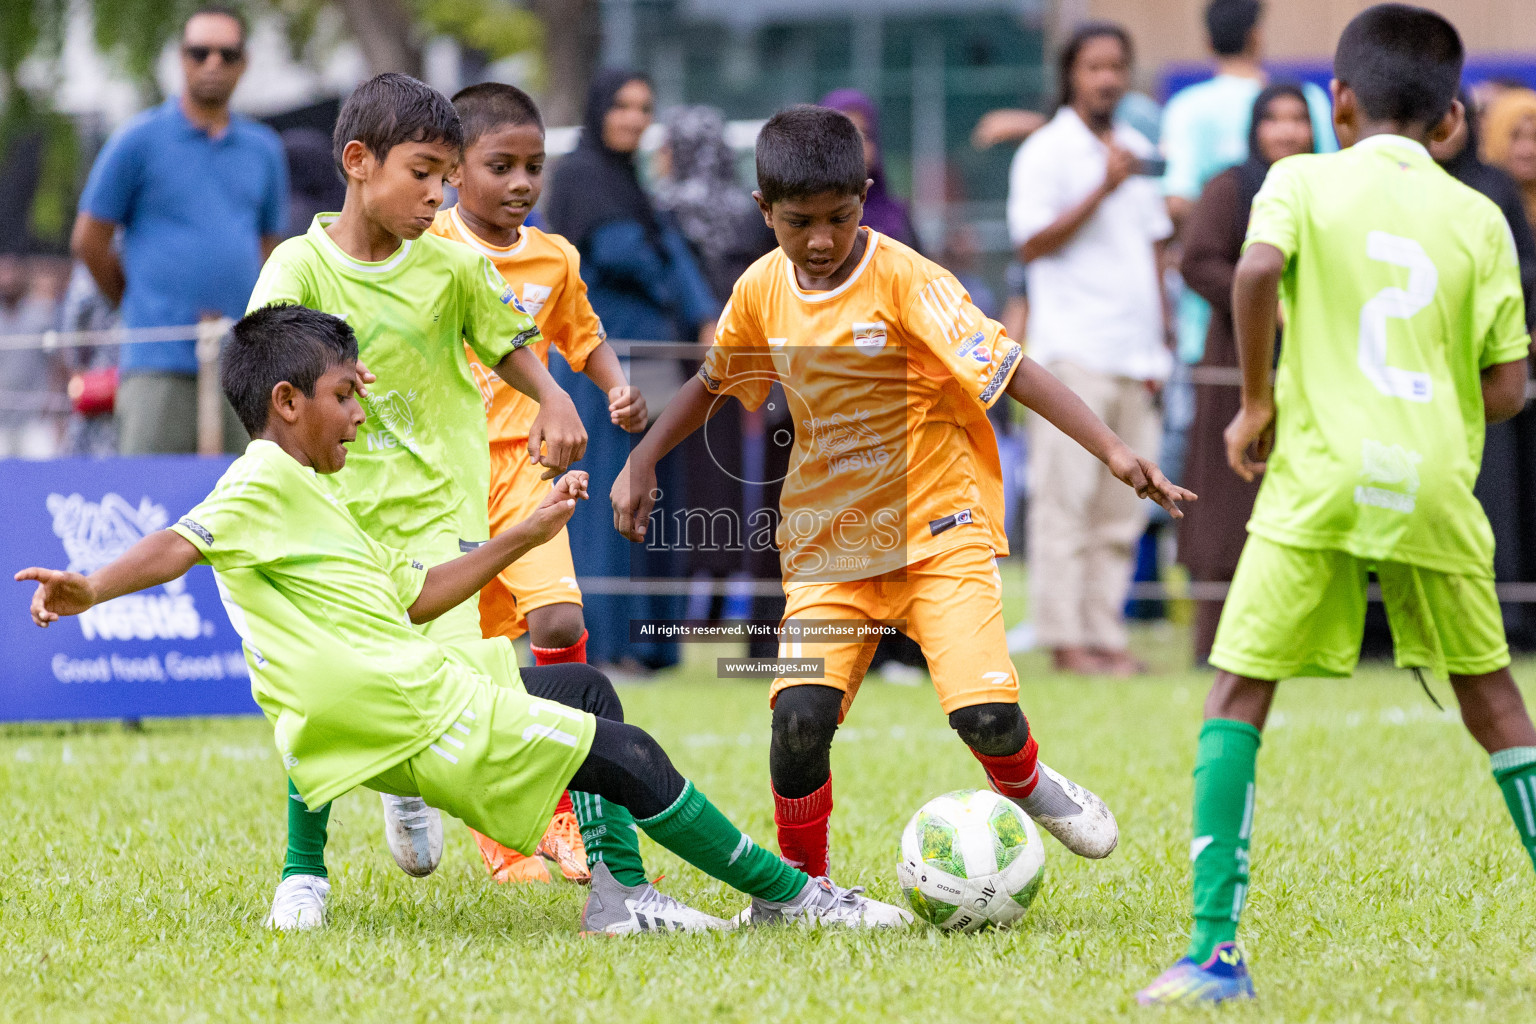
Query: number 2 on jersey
{"x": 1398, "y": 303}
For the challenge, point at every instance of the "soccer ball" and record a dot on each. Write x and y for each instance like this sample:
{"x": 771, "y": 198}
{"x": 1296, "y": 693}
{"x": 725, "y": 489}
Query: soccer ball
{"x": 970, "y": 860}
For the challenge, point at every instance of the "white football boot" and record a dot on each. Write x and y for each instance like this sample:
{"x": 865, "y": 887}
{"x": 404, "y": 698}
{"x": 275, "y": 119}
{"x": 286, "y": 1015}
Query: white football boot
{"x": 1077, "y": 818}
{"x": 615, "y": 909}
{"x": 414, "y": 832}
{"x": 299, "y": 903}
{"x": 822, "y": 904}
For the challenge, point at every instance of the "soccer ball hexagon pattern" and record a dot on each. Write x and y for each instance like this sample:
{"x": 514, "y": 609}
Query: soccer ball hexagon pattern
{"x": 970, "y": 860}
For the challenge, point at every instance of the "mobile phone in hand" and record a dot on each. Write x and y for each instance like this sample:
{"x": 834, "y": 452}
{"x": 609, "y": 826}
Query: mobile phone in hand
{"x": 1151, "y": 167}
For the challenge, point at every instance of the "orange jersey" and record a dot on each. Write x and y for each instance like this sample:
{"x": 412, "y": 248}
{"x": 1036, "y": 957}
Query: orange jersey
{"x": 888, "y": 378}
{"x": 544, "y": 271}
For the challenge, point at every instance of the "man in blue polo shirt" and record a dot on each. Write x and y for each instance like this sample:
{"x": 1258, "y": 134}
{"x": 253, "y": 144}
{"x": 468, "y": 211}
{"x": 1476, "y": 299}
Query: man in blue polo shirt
{"x": 200, "y": 196}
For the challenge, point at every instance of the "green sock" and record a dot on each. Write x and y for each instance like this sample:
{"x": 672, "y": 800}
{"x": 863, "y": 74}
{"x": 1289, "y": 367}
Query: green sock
{"x": 306, "y": 836}
{"x": 696, "y": 831}
{"x": 608, "y": 832}
{"x": 1515, "y": 771}
{"x": 1223, "y": 824}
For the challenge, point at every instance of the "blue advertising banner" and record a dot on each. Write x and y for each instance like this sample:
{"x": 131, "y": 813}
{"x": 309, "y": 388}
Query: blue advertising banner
{"x": 166, "y": 651}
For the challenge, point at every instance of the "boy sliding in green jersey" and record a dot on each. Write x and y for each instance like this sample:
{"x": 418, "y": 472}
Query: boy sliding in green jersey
{"x": 421, "y": 476}
{"x": 357, "y": 696}
{"x": 1404, "y": 334}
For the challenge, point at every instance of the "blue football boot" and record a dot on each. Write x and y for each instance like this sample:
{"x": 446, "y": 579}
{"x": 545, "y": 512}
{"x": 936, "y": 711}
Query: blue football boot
{"x": 1224, "y": 976}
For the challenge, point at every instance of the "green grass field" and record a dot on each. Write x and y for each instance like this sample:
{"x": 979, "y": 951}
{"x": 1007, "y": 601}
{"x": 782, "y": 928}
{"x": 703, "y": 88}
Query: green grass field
{"x": 135, "y": 870}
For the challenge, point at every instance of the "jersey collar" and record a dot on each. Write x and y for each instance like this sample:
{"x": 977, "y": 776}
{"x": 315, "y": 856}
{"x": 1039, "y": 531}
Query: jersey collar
{"x": 328, "y": 246}
{"x": 805, "y": 296}
{"x": 474, "y": 241}
{"x": 1388, "y": 141}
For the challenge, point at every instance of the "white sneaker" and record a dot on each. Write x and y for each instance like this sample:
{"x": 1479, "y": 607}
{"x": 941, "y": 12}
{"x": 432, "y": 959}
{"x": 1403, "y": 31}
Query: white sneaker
{"x": 1076, "y": 817}
{"x": 414, "y": 832}
{"x": 615, "y": 909}
{"x": 299, "y": 903}
{"x": 822, "y": 904}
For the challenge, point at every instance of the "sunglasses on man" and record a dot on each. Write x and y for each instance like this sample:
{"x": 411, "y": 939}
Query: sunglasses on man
{"x": 200, "y": 54}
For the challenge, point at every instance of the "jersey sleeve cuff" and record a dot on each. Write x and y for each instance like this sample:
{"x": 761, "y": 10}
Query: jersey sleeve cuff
{"x": 999, "y": 381}
{"x": 193, "y": 533}
{"x": 1512, "y": 350}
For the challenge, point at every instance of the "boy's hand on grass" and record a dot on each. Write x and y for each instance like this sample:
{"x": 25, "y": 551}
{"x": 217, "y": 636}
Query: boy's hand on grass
{"x": 633, "y": 497}
{"x": 558, "y": 506}
{"x": 1143, "y": 476}
{"x": 58, "y": 593}
{"x": 556, "y": 439}
{"x": 1250, "y": 437}
{"x": 626, "y": 408}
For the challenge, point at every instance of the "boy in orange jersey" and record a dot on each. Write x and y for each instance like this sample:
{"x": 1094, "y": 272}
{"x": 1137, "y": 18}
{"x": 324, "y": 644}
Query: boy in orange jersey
{"x": 892, "y": 507}
{"x": 499, "y": 180}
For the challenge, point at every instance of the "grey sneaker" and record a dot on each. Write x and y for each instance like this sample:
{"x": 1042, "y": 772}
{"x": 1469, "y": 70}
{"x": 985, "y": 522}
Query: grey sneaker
{"x": 299, "y": 903}
{"x": 414, "y": 832}
{"x": 822, "y": 904}
{"x": 614, "y": 909}
{"x": 1078, "y": 819}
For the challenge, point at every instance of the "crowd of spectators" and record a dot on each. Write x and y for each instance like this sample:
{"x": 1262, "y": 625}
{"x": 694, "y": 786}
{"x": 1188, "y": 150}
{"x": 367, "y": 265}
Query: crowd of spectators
{"x": 1125, "y": 219}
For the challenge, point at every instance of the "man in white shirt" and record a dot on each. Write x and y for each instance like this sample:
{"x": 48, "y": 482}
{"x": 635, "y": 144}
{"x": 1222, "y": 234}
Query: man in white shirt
{"x": 1090, "y": 228}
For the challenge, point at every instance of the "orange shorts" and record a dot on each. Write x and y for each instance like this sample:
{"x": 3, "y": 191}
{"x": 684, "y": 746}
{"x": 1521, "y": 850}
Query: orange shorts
{"x": 544, "y": 576}
{"x": 951, "y": 604}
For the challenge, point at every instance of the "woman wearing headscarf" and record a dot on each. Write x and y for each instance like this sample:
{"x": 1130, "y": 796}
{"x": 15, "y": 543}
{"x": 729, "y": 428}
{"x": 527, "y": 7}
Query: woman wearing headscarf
{"x": 1506, "y": 486}
{"x": 643, "y": 282}
{"x": 882, "y": 211}
{"x": 1211, "y": 535}
{"x": 1509, "y": 142}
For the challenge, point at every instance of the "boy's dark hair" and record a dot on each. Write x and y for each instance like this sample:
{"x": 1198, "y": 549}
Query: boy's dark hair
{"x": 222, "y": 11}
{"x": 275, "y": 344}
{"x": 1229, "y": 24}
{"x": 392, "y": 108}
{"x": 1403, "y": 63}
{"x": 805, "y": 151}
{"x": 1081, "y": 37}
{"x": 490, "y": 105}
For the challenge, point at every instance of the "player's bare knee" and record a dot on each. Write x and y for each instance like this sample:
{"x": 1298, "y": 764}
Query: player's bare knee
{"x": 556, "y": 625}
{"x": 1240, "y": 699}
{"x": 996, "y": 730}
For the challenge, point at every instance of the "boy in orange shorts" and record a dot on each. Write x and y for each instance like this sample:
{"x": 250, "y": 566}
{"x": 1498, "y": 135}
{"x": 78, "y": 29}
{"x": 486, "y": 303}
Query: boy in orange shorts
{"x": 499, "y": 180}
{"x": 892, "y": 506}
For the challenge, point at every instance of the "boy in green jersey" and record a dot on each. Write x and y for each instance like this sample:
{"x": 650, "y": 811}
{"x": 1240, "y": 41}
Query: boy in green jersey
{"x": 421, "y": 476}
{"x": 1404, "y": 335}
{"x": 356, "y": 696}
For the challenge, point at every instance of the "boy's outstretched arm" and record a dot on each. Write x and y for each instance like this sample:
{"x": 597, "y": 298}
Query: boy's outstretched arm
{"x": 556, "y": 437}
{"x": 1255, "y": 307}
{"x": 626, "y": 405}
{"x": 1034, "y": 387}
{"x": 632, "y": 492}
{"x": 158, "y": 558}
{"x": 452, "y": 583}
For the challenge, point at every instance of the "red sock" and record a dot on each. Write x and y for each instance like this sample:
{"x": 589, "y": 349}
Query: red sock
{"x": 561, "y": 655}
{"x": 803, "y": 829}
{"x": 1015, "y": 775}
{"x": 565, "y": 806}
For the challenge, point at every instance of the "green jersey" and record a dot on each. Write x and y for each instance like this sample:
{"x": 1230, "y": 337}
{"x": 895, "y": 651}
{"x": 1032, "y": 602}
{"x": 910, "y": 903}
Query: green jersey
{"x": 1400, "y": 287}
{"x": 350, "y": 687}
{"x": 421, "y": 463}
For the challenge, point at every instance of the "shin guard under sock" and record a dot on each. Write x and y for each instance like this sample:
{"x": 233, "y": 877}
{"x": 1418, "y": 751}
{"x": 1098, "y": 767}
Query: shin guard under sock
{"x": 1223, "y": 825}
{"x": 306, "y": 836}
{"x": 803, "y": 825}
{"x": 1514, "y": 768}
{"x": 1013, "y": 775}
{"x": 696, "y": 831}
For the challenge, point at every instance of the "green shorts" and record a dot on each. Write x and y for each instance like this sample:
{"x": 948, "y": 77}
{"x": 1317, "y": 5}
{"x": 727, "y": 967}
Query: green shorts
{"x": 1301, "y": 612}
{"x": 500, "y": 768}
